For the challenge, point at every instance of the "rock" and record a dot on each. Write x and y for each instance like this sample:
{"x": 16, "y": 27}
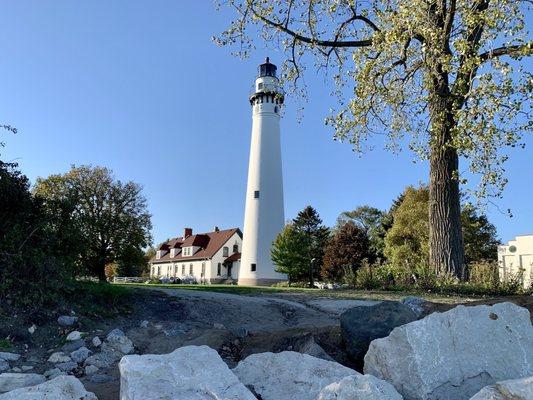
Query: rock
{"x": 4, "y": 365}
{"x": 11, "y": 381}
{"x": 96, "y": 341}
{"x": 117, "y": 340}
{"x": 307, "y": 345}
{"x": 32, "y": 329}
{"x": 91, "y": 369}
{"x": 190, "y": 372}
{"x": 361, "y": 325}
{"x": 59, "y": 357}
{"x": 67, "y": 366}
{"x": 16, "y": 369}
{"x": 80, "y": 355}
{"x": 452, "y": 355}
{"x": 101, "y": 378}
{"x": 515, "y": 389}
{"x": 27, "y": 367}
{"x": 144, "y": 324}
{"x": 359, "y": 387}
{"x": 104, "y": 359}
{"x": 240, "y": 332}
{"x": 289, "y": 375}
{"x": 9, "y": 356}
{"x": 69, "y": 347}
{"x": 53, "y": 373}
{"x": 216, "y": 325}
{"x": 73, "y": 336}
{"x": 67, "y": 320}
{"x": 416, "y": 304}
{"x": 59, "y": 388}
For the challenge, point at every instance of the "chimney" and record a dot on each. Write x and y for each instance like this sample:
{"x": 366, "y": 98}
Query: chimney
{"x": 187, "y": 232}
{"x": 216, "y": 229}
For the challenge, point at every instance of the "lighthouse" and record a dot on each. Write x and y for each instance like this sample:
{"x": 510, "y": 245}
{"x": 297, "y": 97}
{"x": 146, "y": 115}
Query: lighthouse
{"x": 264, "y": 211}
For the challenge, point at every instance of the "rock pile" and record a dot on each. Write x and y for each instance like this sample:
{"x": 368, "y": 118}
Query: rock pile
{"x": 60, "y": 388}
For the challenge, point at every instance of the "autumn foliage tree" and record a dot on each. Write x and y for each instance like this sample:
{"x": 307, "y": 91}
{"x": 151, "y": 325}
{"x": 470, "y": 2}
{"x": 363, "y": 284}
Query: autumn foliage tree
{"x": 445, "y": 76}
{"x": 347, "y": 249}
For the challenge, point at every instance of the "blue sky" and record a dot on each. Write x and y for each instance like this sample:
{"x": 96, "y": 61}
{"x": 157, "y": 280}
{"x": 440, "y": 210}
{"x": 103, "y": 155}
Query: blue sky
{"x": 139, "y": 87}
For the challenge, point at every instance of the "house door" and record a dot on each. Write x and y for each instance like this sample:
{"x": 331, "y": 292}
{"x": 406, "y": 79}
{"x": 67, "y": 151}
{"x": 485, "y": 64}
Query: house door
{"x": 229, "y": 270}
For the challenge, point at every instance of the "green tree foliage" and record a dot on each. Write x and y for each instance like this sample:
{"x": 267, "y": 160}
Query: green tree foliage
{"x": 407, "y": 241}
{"x": 373, "y": 222}
{"x": 314, "y": 237}
{"x": 445, "y": 76}
{"x": 480, "y": 236}
{"x": 289, "y": 254}
{"x": 109, "y": 218}
{"x": 346, "y": 250}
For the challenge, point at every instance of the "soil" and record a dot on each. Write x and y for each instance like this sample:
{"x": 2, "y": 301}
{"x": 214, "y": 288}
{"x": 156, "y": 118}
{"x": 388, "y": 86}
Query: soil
{"x": 163, "y": 319}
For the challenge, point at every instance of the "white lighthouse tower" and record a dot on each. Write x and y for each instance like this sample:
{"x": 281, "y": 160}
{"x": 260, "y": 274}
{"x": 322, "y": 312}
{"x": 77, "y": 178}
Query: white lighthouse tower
{"x": 264, "y": 215}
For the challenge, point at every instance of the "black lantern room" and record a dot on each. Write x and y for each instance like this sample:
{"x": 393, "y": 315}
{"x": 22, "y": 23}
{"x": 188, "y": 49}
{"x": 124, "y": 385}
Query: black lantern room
{"x": 267, "y": 69}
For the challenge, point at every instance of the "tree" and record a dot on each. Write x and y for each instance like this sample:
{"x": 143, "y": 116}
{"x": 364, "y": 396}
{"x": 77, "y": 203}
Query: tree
{"x": 439, "y": 72}
{"x": 371, "y": 220}
{"x": 314, "y": 237}
{"x": 289, "y": 254}
{"x": 110, "y": 216}
{"x": 407, "y": 241}
{"x": 481, "y": 239}
{"x": 348, "y": 247}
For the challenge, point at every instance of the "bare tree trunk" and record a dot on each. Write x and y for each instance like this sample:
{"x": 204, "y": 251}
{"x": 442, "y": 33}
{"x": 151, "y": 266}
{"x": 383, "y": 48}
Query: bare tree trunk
{"x": 446, "y": 254}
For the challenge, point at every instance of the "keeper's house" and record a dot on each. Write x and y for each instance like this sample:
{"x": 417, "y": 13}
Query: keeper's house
{"x": 516, "y": 260}
{"x": 211, "y": 257}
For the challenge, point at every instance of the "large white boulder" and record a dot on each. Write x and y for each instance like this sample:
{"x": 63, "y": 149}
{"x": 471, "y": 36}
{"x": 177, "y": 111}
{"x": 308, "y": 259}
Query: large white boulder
{"x": 452, "y": 355}
{"x": 11, "y": 381}
{"x": 289, "y": 375}
{"x": 60, "y": 388}
{"x": 359, "y": 387}
{"x": 513, "y": 389}
{"x": 188, "y": 373}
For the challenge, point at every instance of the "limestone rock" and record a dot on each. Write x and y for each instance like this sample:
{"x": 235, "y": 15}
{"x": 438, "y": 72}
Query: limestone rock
{"x": 96, "y": 341}
{"x": 514, "y": 389}
{"x": 9, "y": 356}
{"x": 91, "y": 369}
{"x": 80, "y": 355}
{"x": 59, "y": 357}
{"x": 117, "y": 340}
{"x": 289, "y": 375}
{"x": 188, "y": 373}
{"x": 453, "y": 355}
{"x": 69, "y": 347}
{"x": 66, "y": 320}
{"x": 417, "y": 304}
{"x": 361, "y": 325}
{"x": 67, "y": 366}
{"x": 73, "y": 336}
{"x": 11, "y": 381}
{"x": 27, "y": 367}
{"x": 4, "y": 365}
{"x": 53, "y": 373}
{"x": 60, "y": 388}
{"x": 307, "y": 345}
{"x": 359, "y": 387}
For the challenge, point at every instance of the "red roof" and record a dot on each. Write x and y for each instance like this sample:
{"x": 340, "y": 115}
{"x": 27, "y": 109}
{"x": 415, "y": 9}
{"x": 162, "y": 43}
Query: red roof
{"x": 209, "y": 244}
{"x": 234, "y": 257}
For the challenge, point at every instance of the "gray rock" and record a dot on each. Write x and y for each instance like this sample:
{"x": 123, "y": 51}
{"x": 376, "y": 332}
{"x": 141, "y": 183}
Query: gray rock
{"x": 91, "y": 369}
{"x": 11, "y": 381}
{"x": 67, "y": 320}
{"x": 67, "y": 366}
{"x": 240, "y": 332}
{"x": 69, "y": 347}
{"x": 16, "y": 369}
{"x": 289, "y": 375}
{"x": 515, "y": 389}
{"x": 104, "y": 359}
{"x": 453, "y": 355}
{"x": 73, "y": 336}
{"x": 117, "y": 340}
{"x": 359, "y": 387}
{"x": 361, "y": 325}
{"x": 4, "y": 365}
{"x": 307, "y": 345}
{"x": 96, "y": 341}
{"x": 59, "y": 388}
{"x": 101, "y": 378}
{"x": 53, "y": 373}
{"x": 188, "y": 373}
{"x": 80, "y": 355}
{"x": 58, "y": 357}
{"x": 9, "y": 356}
{"x": 27, "y": 367}
{"x": 144, "y": 324}
{"x": 417, "y": 304}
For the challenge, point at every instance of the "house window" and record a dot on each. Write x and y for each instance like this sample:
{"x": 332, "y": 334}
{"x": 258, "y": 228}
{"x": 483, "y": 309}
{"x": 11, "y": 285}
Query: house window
{"x": 176, "y": 270}
{"x": 190, "y": 269}
{"x": 253, "y": 267}
{"x": 203, "y": 270}
{"x": 158, "y": 271}
{"x": 183, "y": 270}
{"x": 256, "y": 194}
{"x": 235, "y": 248}
{"x": 219, "y": 269}
{"x": 225, "y": 251}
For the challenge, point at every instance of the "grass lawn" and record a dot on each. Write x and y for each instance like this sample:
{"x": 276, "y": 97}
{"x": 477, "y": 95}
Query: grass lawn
{"x": 307, "y": 292}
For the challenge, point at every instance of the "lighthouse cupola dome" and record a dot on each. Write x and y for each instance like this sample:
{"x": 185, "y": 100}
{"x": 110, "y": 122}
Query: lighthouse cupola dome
{"x": 267, "y": 68}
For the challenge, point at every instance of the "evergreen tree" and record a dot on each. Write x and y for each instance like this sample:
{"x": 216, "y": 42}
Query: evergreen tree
{"x": 289, "y": 254}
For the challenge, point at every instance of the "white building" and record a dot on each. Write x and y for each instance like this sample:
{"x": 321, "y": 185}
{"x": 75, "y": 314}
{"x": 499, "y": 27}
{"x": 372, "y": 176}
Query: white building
{"x": 516, "y": 257}
{"x": 264, "y": 214}
{"x": 210, "y": 257}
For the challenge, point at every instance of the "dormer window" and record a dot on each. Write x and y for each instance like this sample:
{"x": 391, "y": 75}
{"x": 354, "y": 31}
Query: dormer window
{"x": 173, "y": 252}
{"x": 158, "y": 254}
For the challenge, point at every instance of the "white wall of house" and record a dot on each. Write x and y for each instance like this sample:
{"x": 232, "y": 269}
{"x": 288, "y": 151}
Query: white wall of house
{"x": 517, "y": 257}
{"x": 219, "y": 258}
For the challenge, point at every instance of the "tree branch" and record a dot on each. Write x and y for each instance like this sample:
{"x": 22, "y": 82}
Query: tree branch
{"x": 524, "y": 49}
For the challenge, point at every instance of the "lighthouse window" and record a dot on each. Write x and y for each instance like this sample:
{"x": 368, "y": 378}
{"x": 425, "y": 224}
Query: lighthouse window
{"x": 253, "y": 267}
{"x": 256, "y": 194}
{"x": 260, "y": 86}
{"x": 276, "y": 109}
